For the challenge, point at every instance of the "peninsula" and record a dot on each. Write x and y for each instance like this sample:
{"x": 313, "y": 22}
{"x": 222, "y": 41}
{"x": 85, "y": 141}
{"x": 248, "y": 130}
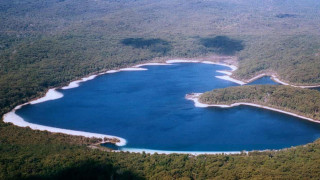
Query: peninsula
{"x": 48, "y": 46}
{"x": 299, "y": 102}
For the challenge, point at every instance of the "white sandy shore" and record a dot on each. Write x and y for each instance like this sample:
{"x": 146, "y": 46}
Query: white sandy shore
{"x": 232, "y": 67}
{"x": 72, "y": 84}
{"x": 256, "y": 77}
{"x": 279, "y": 81}
{"x": 276, "y": 79}
{"x": 225, "y": 72}
{"x": 182, "y": 61}
{"x": 133, "y": 69}
{"x": 228, "y": 75}
{"x": 76, "y": 83}
{"x": 151, "y": 151}
{"x": 52, "y": 94}
{"x": 228, "y": 78}
{"x": 273, "y": 77}
{"x": 12, "y": 117}
{"x": 283, "y": 83}
{"x": 195, "y": 99}
{"x": 315, "y": 86}
{"x": 225, "y": 77}
{"x": 152, "y": 64}
{"x": 110, "y": 72}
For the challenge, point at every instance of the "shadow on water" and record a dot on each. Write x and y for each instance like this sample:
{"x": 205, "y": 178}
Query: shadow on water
{"x": 111, "y": 146}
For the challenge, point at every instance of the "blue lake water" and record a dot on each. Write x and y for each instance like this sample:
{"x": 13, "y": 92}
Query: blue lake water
{"x": 318, "y": 88}
{"x": 149, "y": 110}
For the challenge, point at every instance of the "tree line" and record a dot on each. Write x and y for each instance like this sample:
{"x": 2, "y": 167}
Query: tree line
{"x": 305, "y": 102}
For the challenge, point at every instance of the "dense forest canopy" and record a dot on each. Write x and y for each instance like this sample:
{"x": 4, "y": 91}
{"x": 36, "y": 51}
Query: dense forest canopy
{"x": 48, "y": 43}
{"x": 29, "y": 154}
{"x": 304, "y": 102}
{"x": 223, "y": 45}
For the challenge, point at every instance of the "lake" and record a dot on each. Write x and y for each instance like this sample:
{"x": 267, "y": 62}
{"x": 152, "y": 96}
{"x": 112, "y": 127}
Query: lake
{"x": 149, "y": 110}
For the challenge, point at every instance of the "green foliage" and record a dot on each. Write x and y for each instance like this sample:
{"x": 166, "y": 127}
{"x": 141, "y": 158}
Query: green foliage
{"x": 48, "y": 43}
{"x": 155, "y": 45}
{"x": 223, "y": 45}
{"x": 282, "y": 55}
{"x": 57, "y": 162}
{"x": 304, "y": 102}
{"x": 38, "y": 158}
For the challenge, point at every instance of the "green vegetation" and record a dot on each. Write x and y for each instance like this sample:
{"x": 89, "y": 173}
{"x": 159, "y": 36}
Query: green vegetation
{"x": 48, "y": 43}
{"x": 223, "y": 45}
{"x": 282, "y": 55}
{"x": 304, "y": 102}
{"x": 28, "y": 154}
{"x": 155, "y": 45}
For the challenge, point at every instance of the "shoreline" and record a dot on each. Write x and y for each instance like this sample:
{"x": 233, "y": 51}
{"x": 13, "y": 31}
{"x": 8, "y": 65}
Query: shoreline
{"x": 195, "y": 98}
{"x": 13, "y": 118}
{"x": 275, "y": 78}
{"x": 195, "y": 153}
{"x": 53, "y": 94}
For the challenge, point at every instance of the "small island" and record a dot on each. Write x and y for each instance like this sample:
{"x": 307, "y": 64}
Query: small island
{"x": 303, "y": 103}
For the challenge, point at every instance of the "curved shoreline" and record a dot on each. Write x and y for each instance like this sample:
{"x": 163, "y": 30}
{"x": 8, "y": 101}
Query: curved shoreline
{"x": 53, "y": 94}
{"x": 228, "y": 77}
{"x": 195, "y": 153}
{"x": 195, "y": 98}
{"x": 12, "y": 117}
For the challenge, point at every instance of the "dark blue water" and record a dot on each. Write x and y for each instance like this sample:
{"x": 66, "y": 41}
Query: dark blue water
{"x": 317, "y": 88}
{"x": 149, "y": 110}
{"x": 263, "y": 80}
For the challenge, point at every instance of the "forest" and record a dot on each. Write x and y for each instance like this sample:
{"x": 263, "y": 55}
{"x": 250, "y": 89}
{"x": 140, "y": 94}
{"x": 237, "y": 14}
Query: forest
{"x": 305, "y": 102}
{"x": 29, "y": 154}
{"x": 48, "y": 43}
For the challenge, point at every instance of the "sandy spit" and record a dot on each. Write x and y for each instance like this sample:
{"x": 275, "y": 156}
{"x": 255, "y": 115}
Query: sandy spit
{"x": 195, "y": 98}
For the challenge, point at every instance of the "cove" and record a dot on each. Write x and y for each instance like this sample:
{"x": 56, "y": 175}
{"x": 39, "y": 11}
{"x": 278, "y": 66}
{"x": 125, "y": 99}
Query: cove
{"x": 149, "y": 110}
